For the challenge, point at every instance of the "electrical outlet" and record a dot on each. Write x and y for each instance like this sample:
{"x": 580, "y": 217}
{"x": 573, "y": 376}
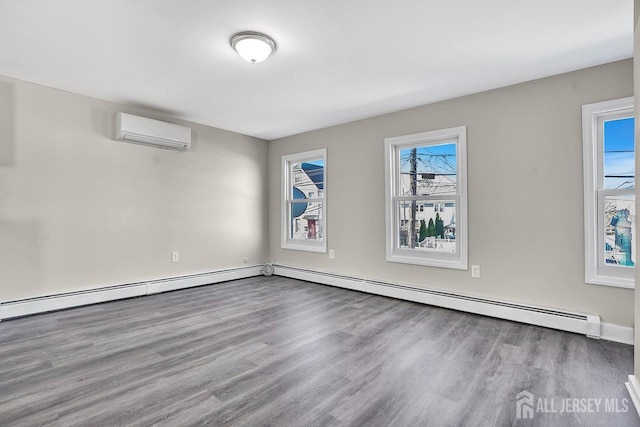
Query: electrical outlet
{"x": 475, "y": 271}
{"x": 175, "y": 256}
{"x": 332, "y": 254}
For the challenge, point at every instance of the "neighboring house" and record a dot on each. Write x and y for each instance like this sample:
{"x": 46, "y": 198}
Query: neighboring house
{"x": 431, "y": 185}
{"x": 450, "y": 229}
{"x": 307, "y": 221}
{"x": 620, "y": 251}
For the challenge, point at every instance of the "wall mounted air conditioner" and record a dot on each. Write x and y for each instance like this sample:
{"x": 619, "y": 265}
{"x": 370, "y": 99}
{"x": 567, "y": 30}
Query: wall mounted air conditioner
{"x": 154, "y": 133}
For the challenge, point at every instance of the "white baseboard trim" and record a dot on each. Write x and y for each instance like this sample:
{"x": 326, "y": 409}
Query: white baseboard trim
{"x": 634, "y": 391}
{"x": 25, "y": 307}
{"x": 573, "y": 322}
{"x": 582, "y": 323}
{"x": 617, "y": 333}
{"x": 10, "y": 309}
{"x": 164, "y": 285}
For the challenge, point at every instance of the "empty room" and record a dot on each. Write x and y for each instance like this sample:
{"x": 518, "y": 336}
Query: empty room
{"x": 338, "y": 213}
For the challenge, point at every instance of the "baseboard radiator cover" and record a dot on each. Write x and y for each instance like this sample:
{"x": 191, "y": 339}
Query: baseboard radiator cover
{"x": 581, "y": 323}
{"x": 633, "y": 388}
{"x": 29, "y": 306}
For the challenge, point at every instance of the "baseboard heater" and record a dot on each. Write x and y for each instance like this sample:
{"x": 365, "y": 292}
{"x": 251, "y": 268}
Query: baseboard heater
{"x": 28, "y": 306}
{"x": 582, "y": 323}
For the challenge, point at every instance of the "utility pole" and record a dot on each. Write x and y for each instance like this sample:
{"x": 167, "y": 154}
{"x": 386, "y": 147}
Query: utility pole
{"x": 413, "y": 238}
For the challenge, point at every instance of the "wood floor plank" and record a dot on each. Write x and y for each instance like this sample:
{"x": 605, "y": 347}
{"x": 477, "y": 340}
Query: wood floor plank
{"x": 282, "y": 352}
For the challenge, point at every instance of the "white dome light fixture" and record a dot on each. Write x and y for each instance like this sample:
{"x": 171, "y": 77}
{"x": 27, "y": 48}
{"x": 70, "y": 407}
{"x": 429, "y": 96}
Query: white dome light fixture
{"x": 253, "y": 47}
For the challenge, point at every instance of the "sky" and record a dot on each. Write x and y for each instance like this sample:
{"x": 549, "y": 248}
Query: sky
{"x": 619, "y": 153}
{"x": 439, "y": 159}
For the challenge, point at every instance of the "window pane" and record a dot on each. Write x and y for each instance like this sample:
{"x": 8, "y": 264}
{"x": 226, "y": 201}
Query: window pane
{"x": 307, "y": 179}
{"x": 619, "y": 229}
{"x": 428, "y": 170}
{"x": 430, "y": 230}
{"x": 306, "y": 222}
{"x": 619, "y": 163}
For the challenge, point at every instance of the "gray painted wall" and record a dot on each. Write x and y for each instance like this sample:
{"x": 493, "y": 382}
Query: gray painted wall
{"x": 525, "y": 193}
{"x": 79, "y": 210}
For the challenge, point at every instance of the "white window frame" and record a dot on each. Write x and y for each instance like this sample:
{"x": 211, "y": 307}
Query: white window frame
{"x": 458, "y": 260}
{"x": 593, "y": 116}
{"x": 287, "y": 198}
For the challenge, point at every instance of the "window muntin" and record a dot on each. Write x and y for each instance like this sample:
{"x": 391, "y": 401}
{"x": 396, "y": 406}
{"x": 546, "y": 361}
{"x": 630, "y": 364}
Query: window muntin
{"x": 609, "y": 181}
{"x": 304, "y": 207}
{"x": 426, "y": 198}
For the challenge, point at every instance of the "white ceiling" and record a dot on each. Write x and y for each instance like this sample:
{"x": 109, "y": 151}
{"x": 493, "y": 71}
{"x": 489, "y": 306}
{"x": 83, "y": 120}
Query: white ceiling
{"x": 336, "y": 61}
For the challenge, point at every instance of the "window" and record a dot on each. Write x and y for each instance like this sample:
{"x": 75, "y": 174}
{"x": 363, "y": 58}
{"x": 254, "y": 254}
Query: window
{"x": 303, "y": 203}
{"x": 427, "y": 169}
{"x": 609, "y": 185}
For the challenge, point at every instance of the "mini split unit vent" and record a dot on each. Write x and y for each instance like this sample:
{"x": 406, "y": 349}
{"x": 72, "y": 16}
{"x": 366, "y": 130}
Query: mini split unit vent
{"x": 154, "y": 133}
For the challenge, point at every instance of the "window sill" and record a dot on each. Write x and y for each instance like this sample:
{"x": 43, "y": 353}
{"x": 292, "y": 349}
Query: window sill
{"x": 305, "y": 247}
{"x": 430, "y": 262}
{"x": 615, "y": 282}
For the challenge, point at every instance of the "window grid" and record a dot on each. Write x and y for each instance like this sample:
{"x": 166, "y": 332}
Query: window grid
{"x": 414, "y": 240}
{"x": 303, "y": 207}
{"x": 608, "y": 212}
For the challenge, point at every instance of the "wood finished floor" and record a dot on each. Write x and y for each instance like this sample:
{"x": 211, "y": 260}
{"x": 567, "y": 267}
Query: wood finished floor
{"x": 281, "y": 352}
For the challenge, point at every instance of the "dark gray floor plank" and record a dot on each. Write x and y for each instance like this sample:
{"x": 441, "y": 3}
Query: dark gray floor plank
{"x": 282, "y": 352}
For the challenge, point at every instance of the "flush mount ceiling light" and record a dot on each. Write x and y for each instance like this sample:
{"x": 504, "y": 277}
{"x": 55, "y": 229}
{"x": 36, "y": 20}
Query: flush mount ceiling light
{"x": 253, "y": 47}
